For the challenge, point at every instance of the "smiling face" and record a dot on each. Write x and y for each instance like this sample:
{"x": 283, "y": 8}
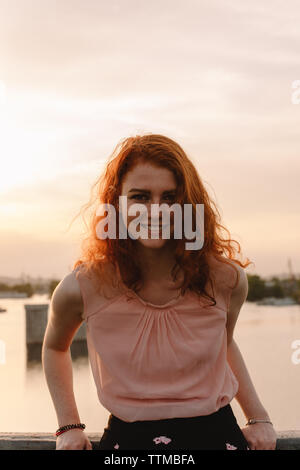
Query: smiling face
{"x": 148, "y": 184}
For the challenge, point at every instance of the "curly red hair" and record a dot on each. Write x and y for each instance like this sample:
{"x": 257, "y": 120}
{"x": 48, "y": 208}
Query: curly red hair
{"x": 161, "y": 151}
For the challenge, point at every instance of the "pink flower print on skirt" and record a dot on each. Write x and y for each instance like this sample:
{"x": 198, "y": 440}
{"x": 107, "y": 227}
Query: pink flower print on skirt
{"x": 230, "y": 446}
{"x": 163, "y": 439}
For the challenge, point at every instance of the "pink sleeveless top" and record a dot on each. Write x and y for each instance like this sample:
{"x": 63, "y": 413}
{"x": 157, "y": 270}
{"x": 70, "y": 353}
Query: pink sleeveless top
{"x": 153, "y": 362}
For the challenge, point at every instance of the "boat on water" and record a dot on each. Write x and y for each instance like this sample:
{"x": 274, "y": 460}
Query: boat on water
{"x": 277, "y": 301}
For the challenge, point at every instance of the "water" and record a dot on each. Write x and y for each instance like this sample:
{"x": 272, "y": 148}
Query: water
{"x": 264, "y": 335}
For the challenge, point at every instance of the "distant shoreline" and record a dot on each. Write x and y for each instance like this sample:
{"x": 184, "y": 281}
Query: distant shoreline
{"x": 13, "y": 295}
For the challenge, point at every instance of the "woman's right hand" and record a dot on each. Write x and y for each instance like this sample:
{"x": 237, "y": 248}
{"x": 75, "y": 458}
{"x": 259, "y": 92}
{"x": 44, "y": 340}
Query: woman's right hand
{"x": 73, "y": 439}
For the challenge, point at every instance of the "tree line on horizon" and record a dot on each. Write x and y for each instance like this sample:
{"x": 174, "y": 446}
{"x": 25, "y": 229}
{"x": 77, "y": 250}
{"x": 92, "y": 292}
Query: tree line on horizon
{"x": 258, "y": 288}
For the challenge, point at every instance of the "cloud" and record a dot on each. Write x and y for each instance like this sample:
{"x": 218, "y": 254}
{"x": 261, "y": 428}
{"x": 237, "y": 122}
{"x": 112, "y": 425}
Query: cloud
{"x": 81, "y": 75}
{"x": 94, "y": 48}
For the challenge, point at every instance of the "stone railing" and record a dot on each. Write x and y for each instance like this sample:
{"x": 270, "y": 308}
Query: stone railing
{"x": 36, "y": 321}
{"x": 287, "y": 440}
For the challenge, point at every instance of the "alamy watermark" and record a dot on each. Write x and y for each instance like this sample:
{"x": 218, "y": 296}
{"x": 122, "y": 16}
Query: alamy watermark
{"x": 156, "y": 227}
{"x": 296, "y": 92}
{"x": 296, "y": 354}
{"x": 2, "y": 352}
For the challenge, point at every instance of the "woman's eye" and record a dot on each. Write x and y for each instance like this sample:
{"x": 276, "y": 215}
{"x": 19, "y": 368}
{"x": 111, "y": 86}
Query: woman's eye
{"x": 144, "y": 197}
{"x": 139, "y": 196}
{"x": 169, "y": 199}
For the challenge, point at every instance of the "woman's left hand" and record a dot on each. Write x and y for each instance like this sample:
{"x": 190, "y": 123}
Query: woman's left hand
{"x": 260, "y": 436}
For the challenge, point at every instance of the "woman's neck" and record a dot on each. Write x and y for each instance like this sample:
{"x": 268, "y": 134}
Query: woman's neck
{"x": 156, "y": 263}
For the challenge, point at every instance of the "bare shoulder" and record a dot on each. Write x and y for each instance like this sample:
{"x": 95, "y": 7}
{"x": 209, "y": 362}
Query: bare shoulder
{"x": 240, "y": 288}
{"x": 65, "y": 314}
{"x": 230, "y": 271}
{"x": 68, "y": 294}
{"x": 238, "y": 296}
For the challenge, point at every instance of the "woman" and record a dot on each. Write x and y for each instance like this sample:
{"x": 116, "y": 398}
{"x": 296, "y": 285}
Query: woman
{"x": 160, "y": 316}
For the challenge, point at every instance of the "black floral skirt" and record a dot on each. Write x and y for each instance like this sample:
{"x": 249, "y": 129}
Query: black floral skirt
{"x": 217, "y": 431}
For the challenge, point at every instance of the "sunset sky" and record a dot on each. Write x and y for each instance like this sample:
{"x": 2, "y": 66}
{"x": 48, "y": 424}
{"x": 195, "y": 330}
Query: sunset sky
{"x": 77, "y": 76}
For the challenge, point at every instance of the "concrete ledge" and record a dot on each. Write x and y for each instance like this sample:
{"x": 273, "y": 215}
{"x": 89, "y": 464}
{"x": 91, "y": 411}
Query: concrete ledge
{"x": 36, "y": 441}
{"x": 287, "y": 440}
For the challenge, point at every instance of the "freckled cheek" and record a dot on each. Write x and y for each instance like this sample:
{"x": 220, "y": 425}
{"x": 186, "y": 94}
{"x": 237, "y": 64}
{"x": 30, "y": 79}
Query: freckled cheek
{"x": 146, "y": 216}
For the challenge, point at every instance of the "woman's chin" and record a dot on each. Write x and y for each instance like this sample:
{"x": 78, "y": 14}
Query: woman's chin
{"x": 152, "y": 243}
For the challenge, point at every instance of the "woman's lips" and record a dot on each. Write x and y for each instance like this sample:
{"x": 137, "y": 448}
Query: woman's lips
{"x": 155, "y": 227}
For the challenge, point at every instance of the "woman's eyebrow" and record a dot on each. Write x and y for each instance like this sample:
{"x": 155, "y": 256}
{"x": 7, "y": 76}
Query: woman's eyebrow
{"x": 148, "y": 191}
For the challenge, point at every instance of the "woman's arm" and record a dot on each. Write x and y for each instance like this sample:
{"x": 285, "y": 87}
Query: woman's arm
{"x": 259, "y": 435}
{"x": 64, "y": 320}
{"x": 246, "y": 395}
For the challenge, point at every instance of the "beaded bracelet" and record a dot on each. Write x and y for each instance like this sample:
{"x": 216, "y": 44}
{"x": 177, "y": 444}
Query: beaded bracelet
{"x": 254, "y": 420}
{"x": 63, "y": 429}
